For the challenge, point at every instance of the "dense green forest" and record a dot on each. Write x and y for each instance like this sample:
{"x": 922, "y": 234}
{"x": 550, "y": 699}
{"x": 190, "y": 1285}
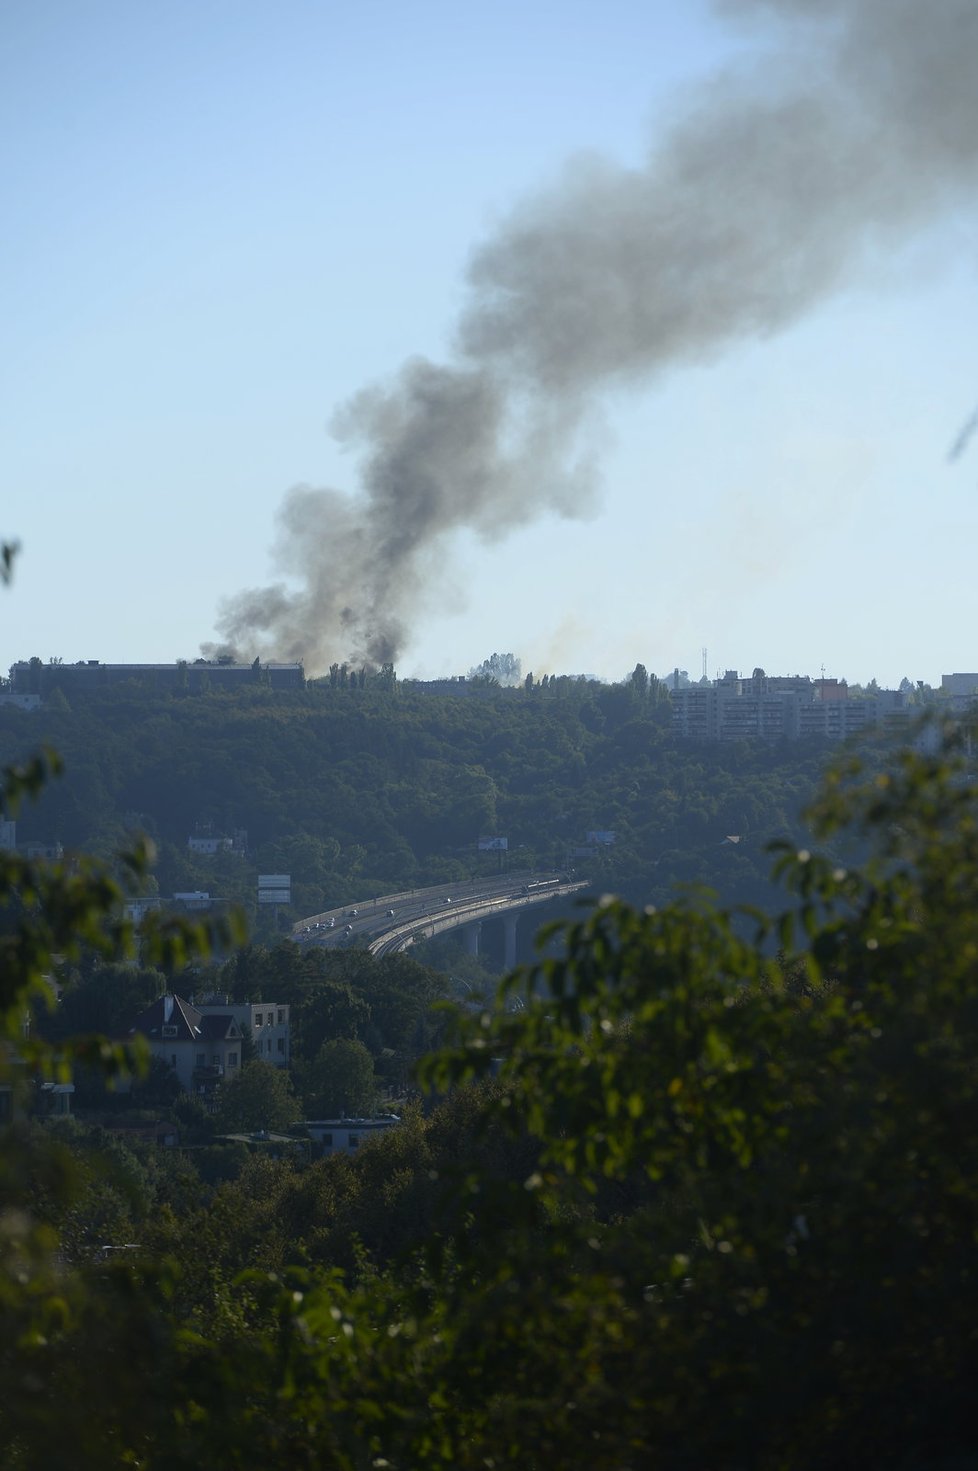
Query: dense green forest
{"x": 378, "y": 788}
{"x": 698, "y": 1190}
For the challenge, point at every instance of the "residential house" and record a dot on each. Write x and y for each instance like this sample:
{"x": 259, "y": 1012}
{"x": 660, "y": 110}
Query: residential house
{"x": 203, "y": 1051}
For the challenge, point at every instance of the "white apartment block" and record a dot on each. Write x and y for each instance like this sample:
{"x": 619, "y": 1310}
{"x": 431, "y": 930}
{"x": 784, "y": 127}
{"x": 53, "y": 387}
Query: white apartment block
{"x": 780, "y": 708}
{"x": 266, "y": 1022}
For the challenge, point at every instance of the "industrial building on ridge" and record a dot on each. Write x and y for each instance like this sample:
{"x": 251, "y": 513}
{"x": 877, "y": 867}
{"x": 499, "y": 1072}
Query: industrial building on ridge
{"x": 32, "y": 677}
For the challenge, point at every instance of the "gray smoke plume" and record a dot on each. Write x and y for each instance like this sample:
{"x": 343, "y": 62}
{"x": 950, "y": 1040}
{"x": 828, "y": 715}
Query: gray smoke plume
{"x": 964, "y": 438}
{"x": 781, "y": 181}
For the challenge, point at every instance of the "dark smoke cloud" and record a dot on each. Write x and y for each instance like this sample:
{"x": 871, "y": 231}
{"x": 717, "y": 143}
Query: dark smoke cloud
{"x": 964, "y": 438}
{"x": 781, "y": 182}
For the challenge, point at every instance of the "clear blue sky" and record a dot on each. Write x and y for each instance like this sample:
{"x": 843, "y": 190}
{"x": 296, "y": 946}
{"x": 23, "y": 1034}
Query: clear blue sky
{"x": 222, "y": 219}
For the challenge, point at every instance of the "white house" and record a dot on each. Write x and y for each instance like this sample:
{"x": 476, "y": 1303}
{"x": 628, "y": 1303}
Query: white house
{"x": 202, "y": 1050}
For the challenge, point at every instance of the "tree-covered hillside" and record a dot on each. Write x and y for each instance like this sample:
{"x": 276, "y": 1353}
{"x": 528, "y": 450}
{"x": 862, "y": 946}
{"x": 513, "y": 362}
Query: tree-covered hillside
{"x": 682, "y": 1200}
{"x": 353, "y": 790}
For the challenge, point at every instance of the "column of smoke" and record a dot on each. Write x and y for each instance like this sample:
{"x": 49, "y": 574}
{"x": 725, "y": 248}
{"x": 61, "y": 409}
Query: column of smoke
{"x": 783, "y": 180}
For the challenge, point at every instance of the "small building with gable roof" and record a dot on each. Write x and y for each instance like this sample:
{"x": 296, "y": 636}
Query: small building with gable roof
{"x": 203, "y": 1050}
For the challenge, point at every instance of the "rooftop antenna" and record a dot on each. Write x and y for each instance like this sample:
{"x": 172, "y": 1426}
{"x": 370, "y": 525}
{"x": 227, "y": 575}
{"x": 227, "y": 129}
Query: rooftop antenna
{"x": 704, "y": 661}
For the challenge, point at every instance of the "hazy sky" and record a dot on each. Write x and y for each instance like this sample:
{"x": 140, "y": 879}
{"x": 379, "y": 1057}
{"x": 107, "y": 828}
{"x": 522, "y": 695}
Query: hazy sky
{"x": 686, "y": 294}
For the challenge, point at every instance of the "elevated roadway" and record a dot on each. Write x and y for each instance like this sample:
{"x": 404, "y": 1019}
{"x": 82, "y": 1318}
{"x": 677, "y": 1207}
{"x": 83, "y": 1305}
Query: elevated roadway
{"x": 393, "y": 922}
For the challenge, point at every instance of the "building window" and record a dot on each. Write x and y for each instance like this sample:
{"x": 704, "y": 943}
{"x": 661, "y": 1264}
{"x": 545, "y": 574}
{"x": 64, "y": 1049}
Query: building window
{"x": 281, "y": 1044}
{"x": 281, "y": 1016}
{"x": 232, "y": 1059}
{"x": 354, "y": 1141}
{"x": 201, "y": 1059}
{"x": 327, "y": 1141}
{"x": 258, "y": 1018}
{"x": 216, "y": 1059}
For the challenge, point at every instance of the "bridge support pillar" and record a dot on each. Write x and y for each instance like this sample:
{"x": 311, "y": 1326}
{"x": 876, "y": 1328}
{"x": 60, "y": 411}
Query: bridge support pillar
{"x": 509, "y": 941}
{"x": 470, "y": 934}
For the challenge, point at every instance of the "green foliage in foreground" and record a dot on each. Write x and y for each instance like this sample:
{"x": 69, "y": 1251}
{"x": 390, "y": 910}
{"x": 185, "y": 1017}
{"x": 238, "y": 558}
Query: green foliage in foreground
{"x": 746, "y": 1239}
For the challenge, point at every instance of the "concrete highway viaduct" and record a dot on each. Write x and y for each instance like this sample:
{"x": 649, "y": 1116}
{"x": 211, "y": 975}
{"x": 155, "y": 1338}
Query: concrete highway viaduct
{"x": 393, "y": 922}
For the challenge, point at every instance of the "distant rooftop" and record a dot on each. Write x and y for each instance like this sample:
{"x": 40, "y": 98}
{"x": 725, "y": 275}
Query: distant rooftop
{"x": 29, "y": 676}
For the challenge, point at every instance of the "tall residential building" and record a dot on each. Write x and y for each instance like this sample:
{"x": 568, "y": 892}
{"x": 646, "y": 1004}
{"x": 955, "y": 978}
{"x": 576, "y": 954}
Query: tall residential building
{"x": 780, "y": 708}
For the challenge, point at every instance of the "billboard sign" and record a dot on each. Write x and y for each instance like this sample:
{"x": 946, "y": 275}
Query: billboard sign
{"x": 274, "y": 888}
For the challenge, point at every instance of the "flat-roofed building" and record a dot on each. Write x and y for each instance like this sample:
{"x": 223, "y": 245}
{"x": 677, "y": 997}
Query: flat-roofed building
{"x": 29, "y": 677}
{"x": 345, "y": 1136}
{"x": 961, "y": 692}
{"x": 265, "y": 1022}
{"x": 781, "y": 708}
